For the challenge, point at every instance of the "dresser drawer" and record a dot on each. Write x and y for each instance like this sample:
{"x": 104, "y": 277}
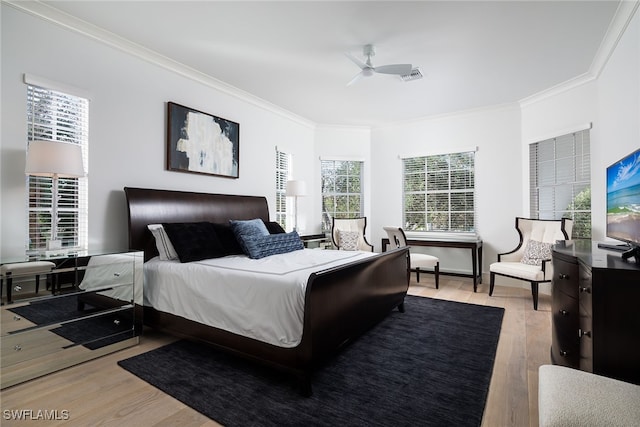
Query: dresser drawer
{"x": 53, "y": 310}
{"x": 585, "y": 335}
{"x": 92, "y": 332}
{"x": 585, "y": 291}
{"x": 565, "y": 276}
{"x": 565, "y": 346}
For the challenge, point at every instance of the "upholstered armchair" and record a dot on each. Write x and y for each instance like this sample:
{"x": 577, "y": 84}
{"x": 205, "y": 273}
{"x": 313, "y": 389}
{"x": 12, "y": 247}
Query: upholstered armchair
{"x": 348, "y": 234}
{"x": 531, "y": 259}
{"x": 417, "y": 262}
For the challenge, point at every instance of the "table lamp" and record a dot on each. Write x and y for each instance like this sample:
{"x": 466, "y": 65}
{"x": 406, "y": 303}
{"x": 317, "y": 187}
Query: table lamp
{"x": 296, "y": 188}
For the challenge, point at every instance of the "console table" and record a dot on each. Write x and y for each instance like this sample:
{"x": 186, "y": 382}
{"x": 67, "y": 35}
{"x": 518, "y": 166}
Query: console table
{"x": 474, "y": 245}
{"x": 595, "y": 320}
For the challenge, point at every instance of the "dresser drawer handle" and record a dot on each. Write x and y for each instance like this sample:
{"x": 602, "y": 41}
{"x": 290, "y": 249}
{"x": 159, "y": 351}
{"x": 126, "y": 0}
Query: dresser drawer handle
{"x": 564, "y": 312}
{"x": 17, "y": 288}
{"x": 582, "y": 333}
{"x": 563, "y": 353}
{"x": 17, "y": 347}
{"x": 116, "y": 274}
{"x": 562, "y": 276}
{"x": 116, "y": 322}
{"x": 585, "y": 290}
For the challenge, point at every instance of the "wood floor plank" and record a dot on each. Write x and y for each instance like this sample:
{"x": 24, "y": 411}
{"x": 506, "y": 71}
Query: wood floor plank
{"x": 99, "y": 392}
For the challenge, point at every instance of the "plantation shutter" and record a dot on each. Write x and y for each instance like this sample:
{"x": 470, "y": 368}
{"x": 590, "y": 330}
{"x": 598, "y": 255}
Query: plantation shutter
{"x": 560, "y": 180}
{"x": 282, "y": 175}
{"x": 57, "y": 116}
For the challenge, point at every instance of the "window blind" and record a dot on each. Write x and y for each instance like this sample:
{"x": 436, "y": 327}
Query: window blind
{"x": 56, "y": 116}
{"x": 439, "y": 193}
{"x": 342, "y": 195}
{"x": 560, "y": 180}
{"x": 282, "y": 176}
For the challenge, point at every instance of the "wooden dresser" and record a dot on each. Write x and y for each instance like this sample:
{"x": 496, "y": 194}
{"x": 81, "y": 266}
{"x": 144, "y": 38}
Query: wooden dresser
{"x": 596, "y": 311}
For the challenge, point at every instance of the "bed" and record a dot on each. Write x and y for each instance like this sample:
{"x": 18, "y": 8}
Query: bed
{"x": 341, "y": 302}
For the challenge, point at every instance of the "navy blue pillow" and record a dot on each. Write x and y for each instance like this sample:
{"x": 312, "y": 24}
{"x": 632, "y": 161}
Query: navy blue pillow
{"x": 194, "y": 241}
{"x": 260, "y": 246}
{"x": 244, "y": 229}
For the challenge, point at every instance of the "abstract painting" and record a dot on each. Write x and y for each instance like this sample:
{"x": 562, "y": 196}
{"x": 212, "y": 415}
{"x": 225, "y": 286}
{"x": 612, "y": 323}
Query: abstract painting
{"x": 198, "y": 142}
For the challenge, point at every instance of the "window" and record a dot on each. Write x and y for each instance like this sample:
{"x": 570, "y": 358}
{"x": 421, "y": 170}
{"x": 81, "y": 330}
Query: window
{"x": 57, "y": 116}
{"x": 282, "y": 175}
{"x": 439, "y": 193}
{"x": 341, "y": 190}
{"x": 560, "y": 180}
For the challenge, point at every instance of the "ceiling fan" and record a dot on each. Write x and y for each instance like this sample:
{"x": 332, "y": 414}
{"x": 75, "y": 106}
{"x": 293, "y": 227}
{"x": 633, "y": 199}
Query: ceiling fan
{"x": 367, "y": 68}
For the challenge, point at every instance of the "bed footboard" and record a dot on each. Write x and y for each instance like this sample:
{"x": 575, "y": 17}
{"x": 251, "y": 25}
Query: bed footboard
{"x": 344, "y": 302}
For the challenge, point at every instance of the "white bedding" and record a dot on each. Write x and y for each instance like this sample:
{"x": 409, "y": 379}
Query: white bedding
{"x": 115, "y": 273}
{"x": 258, "y": 298}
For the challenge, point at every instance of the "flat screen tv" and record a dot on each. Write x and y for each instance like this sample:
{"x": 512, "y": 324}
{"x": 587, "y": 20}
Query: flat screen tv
{"x": 623, "y": 203}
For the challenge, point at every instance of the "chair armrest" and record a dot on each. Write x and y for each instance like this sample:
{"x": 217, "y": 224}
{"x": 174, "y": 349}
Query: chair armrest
{"x": 547, "y": 269}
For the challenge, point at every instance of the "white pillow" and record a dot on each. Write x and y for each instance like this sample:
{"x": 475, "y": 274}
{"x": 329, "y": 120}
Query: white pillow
{"x": 165, "y": 249}
{"x": 348, "y": 240}
{"x": 535, "y": 252}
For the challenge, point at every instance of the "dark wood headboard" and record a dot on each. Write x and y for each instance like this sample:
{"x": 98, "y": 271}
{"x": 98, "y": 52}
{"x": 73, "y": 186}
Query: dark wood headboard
{"x": 148, "y": 206}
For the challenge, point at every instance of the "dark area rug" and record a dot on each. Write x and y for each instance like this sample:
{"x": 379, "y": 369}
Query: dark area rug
{"x": 429, "y": 366}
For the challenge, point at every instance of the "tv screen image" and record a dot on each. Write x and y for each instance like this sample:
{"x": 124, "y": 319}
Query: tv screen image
{"x": 623, "y": 199}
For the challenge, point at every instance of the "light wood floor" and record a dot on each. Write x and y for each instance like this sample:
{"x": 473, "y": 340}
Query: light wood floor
{"x": 99, "y": 392}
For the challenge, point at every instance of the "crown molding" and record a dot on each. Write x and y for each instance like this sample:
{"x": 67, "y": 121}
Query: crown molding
{"x": 619, "y": 23}
{"x": 55, "y": 16}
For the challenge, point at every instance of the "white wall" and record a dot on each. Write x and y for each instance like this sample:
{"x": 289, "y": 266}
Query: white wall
{"x": 127, "y": 127}
{"x": 496, "y": 133}
{"x": 618, "y": 127}
{"x": 611, "y": 103}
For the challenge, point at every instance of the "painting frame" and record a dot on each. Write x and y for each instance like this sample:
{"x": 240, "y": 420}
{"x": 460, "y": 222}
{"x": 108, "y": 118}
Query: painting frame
{"x": 201, "y": 143}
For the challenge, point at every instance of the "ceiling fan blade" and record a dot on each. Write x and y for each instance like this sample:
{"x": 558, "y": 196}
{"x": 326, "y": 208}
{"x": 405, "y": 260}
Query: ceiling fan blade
{"x": 399, "y": 69}
{"x": 355, "y": 60}
{"x": 355, "y": 78}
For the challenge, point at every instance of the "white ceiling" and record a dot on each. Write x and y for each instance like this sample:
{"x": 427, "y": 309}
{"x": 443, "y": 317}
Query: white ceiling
{"x": 473, "y": 53}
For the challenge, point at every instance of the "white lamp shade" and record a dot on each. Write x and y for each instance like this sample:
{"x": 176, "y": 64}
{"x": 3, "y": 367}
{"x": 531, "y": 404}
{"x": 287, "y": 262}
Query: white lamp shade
{"x": 296, "y": 188}
{"x": 49, "y": 158}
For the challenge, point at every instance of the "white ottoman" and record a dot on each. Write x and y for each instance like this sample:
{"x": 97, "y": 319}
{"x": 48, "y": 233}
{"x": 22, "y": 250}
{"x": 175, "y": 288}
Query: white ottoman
{"x": 569, "y": 397}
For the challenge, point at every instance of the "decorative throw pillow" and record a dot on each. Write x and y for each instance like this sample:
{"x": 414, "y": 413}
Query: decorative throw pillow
{"x": 227, "y": 239}
{"x": 165, "y": 248}
{"x": 348, "y": 240}
{"x": 243, "y": 229}
{"x": 535, "y": 252}
{"x": 260, "y": 246}
{"x": 194, "y": 241}
{"x": 274, "y": 227}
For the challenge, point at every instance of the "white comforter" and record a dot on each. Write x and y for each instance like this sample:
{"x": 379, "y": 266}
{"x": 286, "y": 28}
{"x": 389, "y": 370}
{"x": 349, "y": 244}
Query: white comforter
{"x": 115, "y": 272}
{"x": 258, "y": 298}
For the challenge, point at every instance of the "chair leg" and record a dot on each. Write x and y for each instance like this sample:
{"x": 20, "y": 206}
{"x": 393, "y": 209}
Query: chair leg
{"x": 37, "y": 283}
{"x": 436, "y": 271}
{"x": 492, "y": 282}
{"x": 418, "y": 274}
{"x": 534, "y": 292}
